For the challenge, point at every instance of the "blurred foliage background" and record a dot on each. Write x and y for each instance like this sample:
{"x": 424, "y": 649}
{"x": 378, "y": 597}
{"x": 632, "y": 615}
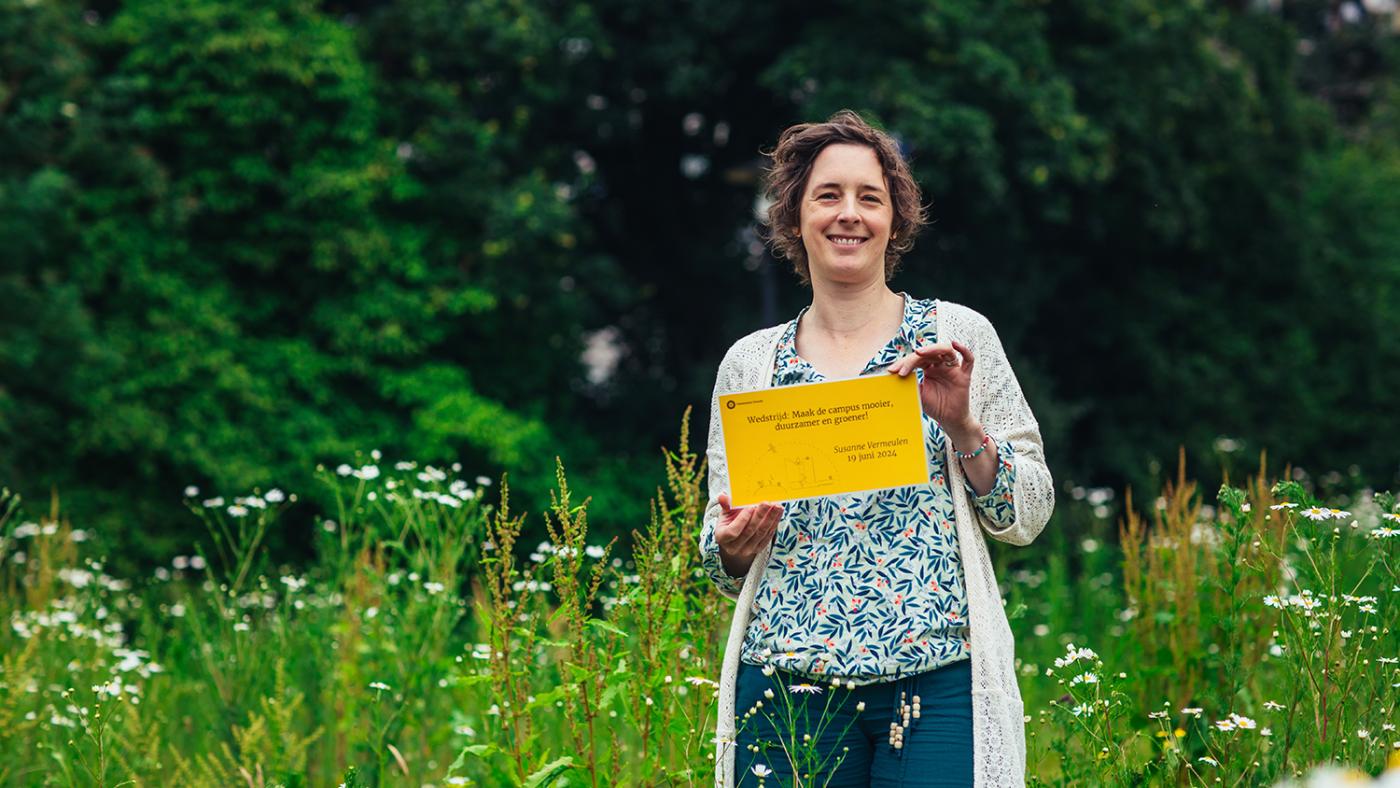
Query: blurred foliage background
{"x": 240, "y": 239}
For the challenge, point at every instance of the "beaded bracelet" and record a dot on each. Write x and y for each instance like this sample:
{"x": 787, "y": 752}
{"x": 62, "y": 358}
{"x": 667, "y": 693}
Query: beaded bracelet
{"x": 986, "y": 439}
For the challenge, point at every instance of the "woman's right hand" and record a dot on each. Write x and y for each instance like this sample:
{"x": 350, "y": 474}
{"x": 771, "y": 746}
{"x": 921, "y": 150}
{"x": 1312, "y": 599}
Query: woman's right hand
{"x": 743, "y": 532}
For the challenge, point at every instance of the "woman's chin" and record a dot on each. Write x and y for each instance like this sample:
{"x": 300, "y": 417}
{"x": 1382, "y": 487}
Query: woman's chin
{"x": 848, "y": 271}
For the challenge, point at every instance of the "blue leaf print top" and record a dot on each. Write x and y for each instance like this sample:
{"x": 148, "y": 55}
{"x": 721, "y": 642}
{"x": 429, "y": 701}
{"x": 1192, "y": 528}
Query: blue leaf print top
{"x": 869, "y": 586}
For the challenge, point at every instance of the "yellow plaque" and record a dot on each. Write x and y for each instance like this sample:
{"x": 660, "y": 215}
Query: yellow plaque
{"x": 827, "y": 438}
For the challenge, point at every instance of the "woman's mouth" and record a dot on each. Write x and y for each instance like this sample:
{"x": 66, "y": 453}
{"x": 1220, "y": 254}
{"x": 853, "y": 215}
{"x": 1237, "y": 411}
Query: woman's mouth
{"x": 847, "y": 240}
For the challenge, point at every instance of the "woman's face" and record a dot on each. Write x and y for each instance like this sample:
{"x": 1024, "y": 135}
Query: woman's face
{"x": 846, "y": 215}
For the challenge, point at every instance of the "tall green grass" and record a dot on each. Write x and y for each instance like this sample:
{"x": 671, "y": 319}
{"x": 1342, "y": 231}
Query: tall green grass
{"x": 1236, "y": 641}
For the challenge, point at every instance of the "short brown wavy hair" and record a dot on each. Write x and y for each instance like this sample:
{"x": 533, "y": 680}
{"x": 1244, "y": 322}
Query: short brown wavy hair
{"x": 791, "y": 164}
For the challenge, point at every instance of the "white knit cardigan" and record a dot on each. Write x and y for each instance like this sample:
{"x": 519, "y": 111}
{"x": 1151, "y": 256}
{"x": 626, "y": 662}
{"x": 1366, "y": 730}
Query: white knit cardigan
{"x": 999, "y": 744}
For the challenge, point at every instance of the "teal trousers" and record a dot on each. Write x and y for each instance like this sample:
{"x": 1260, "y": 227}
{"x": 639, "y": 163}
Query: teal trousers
{"x": 840, "y": 738}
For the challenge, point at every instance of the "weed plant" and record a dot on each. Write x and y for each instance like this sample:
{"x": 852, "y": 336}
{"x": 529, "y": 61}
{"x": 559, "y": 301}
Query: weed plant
{"x": 1236, "y": 642}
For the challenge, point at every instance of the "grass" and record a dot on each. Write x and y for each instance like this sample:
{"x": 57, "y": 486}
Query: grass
{"x": 1239, "y": 640}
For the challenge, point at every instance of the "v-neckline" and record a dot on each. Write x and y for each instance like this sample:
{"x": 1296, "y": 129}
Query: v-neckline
{"x": 818, "y": 375}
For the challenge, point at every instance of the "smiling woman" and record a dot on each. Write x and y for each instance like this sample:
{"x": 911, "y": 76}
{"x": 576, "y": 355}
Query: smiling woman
{"x": 889, "y": 593}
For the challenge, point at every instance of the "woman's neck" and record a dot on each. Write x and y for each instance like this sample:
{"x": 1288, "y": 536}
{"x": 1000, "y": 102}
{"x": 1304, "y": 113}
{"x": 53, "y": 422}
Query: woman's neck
{"x": 842, "y": 311}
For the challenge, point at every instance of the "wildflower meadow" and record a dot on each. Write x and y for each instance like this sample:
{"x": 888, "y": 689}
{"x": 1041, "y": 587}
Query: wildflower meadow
{"x": 1245, "y": 635}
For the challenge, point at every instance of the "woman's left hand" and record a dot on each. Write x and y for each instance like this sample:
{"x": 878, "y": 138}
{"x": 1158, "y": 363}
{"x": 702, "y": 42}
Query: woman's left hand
{"x": 947, "y": 370}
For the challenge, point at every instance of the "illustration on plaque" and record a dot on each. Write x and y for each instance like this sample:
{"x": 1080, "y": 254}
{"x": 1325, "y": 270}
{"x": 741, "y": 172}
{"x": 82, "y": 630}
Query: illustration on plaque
{"x": 795, "y": 465}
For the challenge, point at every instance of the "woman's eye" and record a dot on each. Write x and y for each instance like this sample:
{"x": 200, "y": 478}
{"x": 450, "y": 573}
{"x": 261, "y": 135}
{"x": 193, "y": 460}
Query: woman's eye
{"x": 872, "y": 199}
{"x": 827, "y": 196}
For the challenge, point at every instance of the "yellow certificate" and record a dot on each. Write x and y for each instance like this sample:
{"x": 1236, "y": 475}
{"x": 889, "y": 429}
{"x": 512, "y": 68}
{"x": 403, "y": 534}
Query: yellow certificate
{"x": 828, "y": 438}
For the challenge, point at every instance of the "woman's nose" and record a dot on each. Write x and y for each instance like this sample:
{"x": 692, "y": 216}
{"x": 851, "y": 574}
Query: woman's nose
{"x": 848, "y": 211}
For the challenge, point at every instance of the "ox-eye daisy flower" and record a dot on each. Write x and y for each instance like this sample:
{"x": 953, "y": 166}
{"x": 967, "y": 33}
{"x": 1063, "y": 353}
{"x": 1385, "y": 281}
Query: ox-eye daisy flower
{"x": 1073, "y": 655}
{"x": 1317, "y": 513}
{"x": 810, "y": 689}
{"x": 761, "y": 770}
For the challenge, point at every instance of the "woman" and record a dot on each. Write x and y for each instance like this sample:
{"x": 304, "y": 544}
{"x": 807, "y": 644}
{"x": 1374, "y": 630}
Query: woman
{"x": 869, "y": 643}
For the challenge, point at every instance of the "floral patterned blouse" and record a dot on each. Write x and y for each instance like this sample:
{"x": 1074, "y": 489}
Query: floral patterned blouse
{"x": 868, "y": 586}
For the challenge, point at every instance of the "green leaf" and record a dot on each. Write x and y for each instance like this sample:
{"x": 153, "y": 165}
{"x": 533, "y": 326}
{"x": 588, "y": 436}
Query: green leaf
{"x": 482, "y": 751}
{"x": 606, "y": 626}
{"x": 547, "y": 774}
{"x": 610, "y": 694}
{"x": 553, "y": 695}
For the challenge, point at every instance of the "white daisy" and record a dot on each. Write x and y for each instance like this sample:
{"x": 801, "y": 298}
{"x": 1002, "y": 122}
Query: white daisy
{"x": 1243, "y": 722}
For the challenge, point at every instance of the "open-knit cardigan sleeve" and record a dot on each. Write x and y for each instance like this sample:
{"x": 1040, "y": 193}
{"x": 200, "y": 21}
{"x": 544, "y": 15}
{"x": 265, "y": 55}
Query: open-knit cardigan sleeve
{"x": 1005, "y": 414}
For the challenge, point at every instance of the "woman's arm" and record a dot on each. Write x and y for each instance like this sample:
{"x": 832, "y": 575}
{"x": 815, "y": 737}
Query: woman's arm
{"x": 1007, "y": 417}
{"x": 718, "y": 466}
{"x": 731, "y": 539}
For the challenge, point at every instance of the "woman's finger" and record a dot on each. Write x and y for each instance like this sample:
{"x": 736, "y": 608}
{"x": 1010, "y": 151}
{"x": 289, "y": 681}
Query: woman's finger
{"x": 724, "y": 500}
{"x": 920, "y": 358}
{"x": 769, "y": 527}
{"x": 763, "y": 526}
{"x": 928, "y": 357}
{"x": 966, "y": 352}
{"x": 937, "y": 348}
{"x": 774, "y": 518}
{"x": 744, "y": 538}
{"x": 942, "y": 353}
{"x": 734, "y": 532}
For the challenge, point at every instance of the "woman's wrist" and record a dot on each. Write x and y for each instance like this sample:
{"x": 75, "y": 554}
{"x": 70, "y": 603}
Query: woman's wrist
{"x": 966, "y": 437}
{"x": 735, "y": 566}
